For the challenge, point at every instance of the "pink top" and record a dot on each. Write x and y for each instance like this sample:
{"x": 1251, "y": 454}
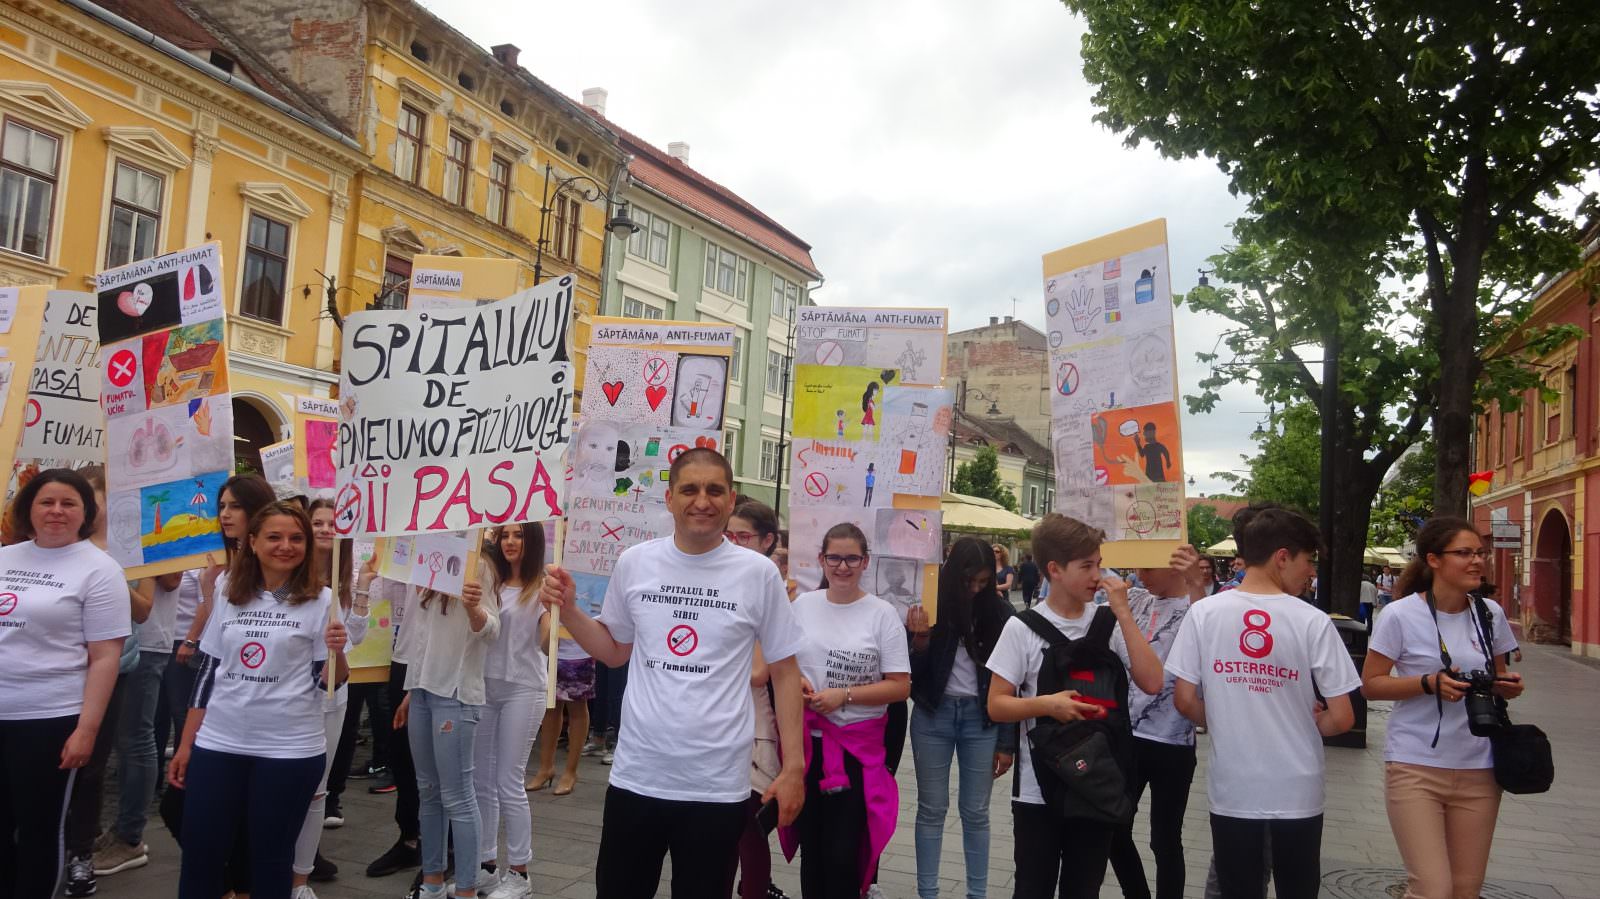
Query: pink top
{"x": 864, "y": 740}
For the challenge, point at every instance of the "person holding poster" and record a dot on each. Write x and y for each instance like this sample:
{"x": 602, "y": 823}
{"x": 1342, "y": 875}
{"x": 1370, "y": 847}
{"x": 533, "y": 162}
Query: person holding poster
{"x": 64, "y": 614}
{"x": 254, "y": 745}
{"x": 685, "y": 611}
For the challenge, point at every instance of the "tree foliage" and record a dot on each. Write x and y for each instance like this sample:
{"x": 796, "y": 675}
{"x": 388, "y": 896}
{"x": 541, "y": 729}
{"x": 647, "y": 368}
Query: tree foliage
{"x": 1206, "y": 527}
{"x": 981, "y": 477}
{"x": 1406, "y": 500}
{"x": 1365, "y": 131}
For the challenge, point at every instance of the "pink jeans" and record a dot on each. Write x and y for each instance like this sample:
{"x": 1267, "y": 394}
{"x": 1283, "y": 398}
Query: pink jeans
{"x": 1443, "y": 821}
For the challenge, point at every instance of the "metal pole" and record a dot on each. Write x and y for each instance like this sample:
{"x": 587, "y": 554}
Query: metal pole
{"x": 783, "y": 416}
{"x": 1330, "y": 442}
{"x": 544, "y": 213}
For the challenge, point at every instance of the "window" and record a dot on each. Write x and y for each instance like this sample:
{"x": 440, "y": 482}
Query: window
{"x": 266, "y": 267}
{"x": 499, "y": 189}
{"x": 507, "y": 108}
{"x": 408, "y": 148}
{"x": 467, "y": 81}
{"x": 1500, "y": 443}
{"x": 455, "y": 169}
{"x": 777, "y": 372}
{"x": 396, "y": 283}
{"x": 769, "y": 459}
{"x": 1049, "y": 499}
{"x": 135, "y": 215}
{"x": 632, "y": 308}
{"x": 1569, "y": 401}
{"x": 650, "y": 241}
{"x": 419, "y": 50}
{"x": 785, "y": 297}
{"x": 736, "y": 363}
{"x": 1033, "y": 500}
{"x": 27, "y": 188}
{"x": 730, "y": 448}
{"x": 1516, "y": 435}
{"x": 727, "y": 272}
{"x": 566, "y": 237}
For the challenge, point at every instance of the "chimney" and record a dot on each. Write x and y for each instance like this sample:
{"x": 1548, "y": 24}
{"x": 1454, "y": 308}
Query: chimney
{"x": 994, "y": 319}
{"x": 505, "y": 54}
{"x": 594, "y": 100}
{"x": 1008, "y": 319}
{"x": 679, "y": 150}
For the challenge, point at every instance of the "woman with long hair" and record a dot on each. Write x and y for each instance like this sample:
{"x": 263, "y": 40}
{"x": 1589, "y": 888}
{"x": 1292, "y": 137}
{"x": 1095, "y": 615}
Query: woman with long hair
{"x": 266, "y": 654}
{"x": 949, "y": 719}
{"x": 66, "y": 612}
{"x": 851, "y": 798}
{"x": 447, "y": 640}
{"x": 514, "y": 676}
{"x": 1439, "y": 782}
{"x": 1005, "y": 577}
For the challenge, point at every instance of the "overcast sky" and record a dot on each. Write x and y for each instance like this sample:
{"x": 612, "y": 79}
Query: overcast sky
{"x": 929, "y": 151}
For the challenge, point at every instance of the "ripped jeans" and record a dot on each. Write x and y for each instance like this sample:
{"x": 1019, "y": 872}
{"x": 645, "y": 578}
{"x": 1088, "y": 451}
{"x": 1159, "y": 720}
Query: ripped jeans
{"x": 441, "y": 731}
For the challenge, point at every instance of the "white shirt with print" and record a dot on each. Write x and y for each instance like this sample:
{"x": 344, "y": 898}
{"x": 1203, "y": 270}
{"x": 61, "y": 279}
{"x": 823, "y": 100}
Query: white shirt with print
{"x": 688, "y": 722}
{"x": 1255, "y": 658}
{"x": 1406, "y": 633}
{"x": 53, "y": 603}
{"x": 518, "y": 657}
{"x": 1156, "y": 717}
{"x": 1018, "y": 656}
{"x": 850, "y": 645}
{"x": 266, "y": 701}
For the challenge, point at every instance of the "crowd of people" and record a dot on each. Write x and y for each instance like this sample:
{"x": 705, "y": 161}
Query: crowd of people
{"x": 732, "y": 705}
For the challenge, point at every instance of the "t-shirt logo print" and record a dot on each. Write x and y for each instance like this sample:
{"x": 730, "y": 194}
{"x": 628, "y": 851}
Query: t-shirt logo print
{"x": 1255, "y": 641}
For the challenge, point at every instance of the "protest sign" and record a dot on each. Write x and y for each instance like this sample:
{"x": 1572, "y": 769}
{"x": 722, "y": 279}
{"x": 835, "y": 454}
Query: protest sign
{"x": 277, "y": 466}
{"x": 457, "y": 418}
{"x": 1115, "y": 428}
{"x": 316, "y": 434}
{"x": 164, "y": 392}
{"x": 871, "y": 427}
{"x": 441, "y": 282}
{"x": 62, "y": 425}
{"x": 22, "y": 312}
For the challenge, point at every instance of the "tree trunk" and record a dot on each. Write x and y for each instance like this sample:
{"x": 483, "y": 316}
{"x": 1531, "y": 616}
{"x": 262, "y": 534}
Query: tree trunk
{"x": 1354, "y": 488}
{"x": 1455, "y": 313}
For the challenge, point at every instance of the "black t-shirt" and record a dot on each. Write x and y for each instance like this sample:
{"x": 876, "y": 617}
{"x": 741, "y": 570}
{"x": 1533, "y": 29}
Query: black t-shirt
{"x": 1028, "y": 574}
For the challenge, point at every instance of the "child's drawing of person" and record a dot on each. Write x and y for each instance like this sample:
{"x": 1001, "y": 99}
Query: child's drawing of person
{"x": 869, "y": 408}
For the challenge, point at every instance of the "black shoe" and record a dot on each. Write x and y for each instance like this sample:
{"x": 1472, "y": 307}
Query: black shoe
{"x": 399, "y": 857}
{"x": 383, "y": 783}
{"x": 80, "y": 876}
{"x": 322, "y": 870}
{"x": 774, "y": 893}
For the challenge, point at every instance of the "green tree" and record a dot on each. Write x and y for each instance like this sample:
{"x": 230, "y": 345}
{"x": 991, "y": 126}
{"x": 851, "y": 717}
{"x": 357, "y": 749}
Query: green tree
{"x": 981, "y": 477}
{"x": 1206, "y": 527}
{"x": 1376, "y": 129}
{"x": 1405, "y": 500}
{"x": 1284, "y": 470}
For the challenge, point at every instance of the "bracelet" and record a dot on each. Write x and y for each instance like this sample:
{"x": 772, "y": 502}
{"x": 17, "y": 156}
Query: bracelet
{"x": 191, "y": 644}
{"x": 846, "y": 695}
{"x": 1426, "y": 690}
{"x": 361, "y": 592}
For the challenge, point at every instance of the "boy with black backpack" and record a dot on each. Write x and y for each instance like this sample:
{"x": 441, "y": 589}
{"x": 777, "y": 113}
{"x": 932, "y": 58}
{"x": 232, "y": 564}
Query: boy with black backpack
{"x": 1062, "y": 668}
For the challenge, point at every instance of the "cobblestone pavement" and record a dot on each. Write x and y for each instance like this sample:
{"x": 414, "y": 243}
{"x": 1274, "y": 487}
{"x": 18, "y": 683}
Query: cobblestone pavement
{"x": 1546, "y": 846}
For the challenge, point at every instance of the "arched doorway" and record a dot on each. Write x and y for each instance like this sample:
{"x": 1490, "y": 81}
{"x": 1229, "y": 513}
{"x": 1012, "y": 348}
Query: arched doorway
{"x": 253, "y": 428}
{"x": 1552, "y": 581}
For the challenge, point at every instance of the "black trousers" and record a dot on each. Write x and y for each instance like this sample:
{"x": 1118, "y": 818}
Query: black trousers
{"x": 1239, "y": 846}
{"x": 33, "y": 805}
{"x": 1168, "y": 770}
{"x": 1055, "y": 856}
{"x": 1030, "y": 592}
{"x": 638, "y": 832}
{"x": 375, "y": 699}
{"x": 605, "y": 709}
{"x": 831, "y": 827}
{"x": 89, "y": 786}
{"x": 268, "y": 797}
{"x": 408, "y": 804}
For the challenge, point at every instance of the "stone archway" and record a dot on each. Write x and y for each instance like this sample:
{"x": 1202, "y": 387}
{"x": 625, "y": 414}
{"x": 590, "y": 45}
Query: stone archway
{"x": 255, "y": 425}
{"x": 1551, "y": 608}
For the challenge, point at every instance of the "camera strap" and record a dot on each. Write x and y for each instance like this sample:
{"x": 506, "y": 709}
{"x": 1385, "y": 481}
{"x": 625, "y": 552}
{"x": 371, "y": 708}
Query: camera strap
{"x": 1482, "y": 625}
{"x": 1444, "y": 657}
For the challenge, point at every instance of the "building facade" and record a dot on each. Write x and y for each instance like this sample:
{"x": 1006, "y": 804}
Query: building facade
{"x": 137, "y": 127}
{"x": 1545, "y": 457}
{"x": 1025, "y": 465}
{"x": 702, "y": 253}
{"x": 1002, "y": 366}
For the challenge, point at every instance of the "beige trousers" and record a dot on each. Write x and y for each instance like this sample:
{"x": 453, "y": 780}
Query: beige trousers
{"x": 1443, "y": 821}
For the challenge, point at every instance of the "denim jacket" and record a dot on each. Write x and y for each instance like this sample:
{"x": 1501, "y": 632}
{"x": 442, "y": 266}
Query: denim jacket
{"x": 931, "y": 665}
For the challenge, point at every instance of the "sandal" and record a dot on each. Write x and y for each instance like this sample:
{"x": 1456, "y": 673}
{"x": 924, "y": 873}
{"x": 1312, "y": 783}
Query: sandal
{"x": 535, "y": 786}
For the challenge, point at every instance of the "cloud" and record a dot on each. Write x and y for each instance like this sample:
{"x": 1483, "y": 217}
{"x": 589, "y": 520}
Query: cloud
{"x": 930, "y": 151}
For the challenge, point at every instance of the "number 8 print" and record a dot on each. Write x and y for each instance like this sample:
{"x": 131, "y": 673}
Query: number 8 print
{"x": 1255, "y": 642}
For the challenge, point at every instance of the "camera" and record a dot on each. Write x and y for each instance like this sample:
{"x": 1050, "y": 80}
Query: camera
{"x": 1484, "y": 716}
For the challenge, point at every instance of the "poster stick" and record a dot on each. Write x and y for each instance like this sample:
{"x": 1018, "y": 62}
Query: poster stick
{"x": 555, "y": 620}
{"x": 331, "y": 669}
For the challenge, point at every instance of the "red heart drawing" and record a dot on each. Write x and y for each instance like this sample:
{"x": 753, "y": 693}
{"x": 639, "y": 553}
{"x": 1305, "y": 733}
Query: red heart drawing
{"x": 654, "y": 396}
{"x": 709, "y": 443}
{"x": 613, "y": 389}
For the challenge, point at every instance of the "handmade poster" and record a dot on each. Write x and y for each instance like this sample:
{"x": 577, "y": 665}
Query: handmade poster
{"x": 164, "y": 392}
{"x": 150, "y": 295}
{"x": 23, "y": 315}
{"x": 654, "y": 391}
{"x": 277, "y": 464}
{"x": 316, "y": 432}
{"x": 440, "y": 282}
{"x": 455, "y": 420}
{"x": 1115, "y": 430}
{"x": 63, "y": 426}
{"x": 394, "y": 558}
{"x": 439, "y": 561}
{"x": 871, "y": 432}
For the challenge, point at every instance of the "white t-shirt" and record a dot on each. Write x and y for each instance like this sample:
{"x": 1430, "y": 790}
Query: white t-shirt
{"x": 1369, "y": 593}
{"x": 1018, "y": 656}
{"x": 53, "y": 603}
{"x": 266, "y": 701}
{"x": 568, "y": 650}
{"x": 156, "y": 634}
{"x": 1254, "y": 658}
{"x": 1405, "y": 632}
{"x": 688, "y": 723}
{"x": 188, "y": 602}
{"x": 963, "y": 680}
{"x": 518, "y": 657}
{"x": 1156, "y": 717}
{"x": 1386, "y": 585}
{"x": 444, "y": 655}
{"x": 850, "y": 645}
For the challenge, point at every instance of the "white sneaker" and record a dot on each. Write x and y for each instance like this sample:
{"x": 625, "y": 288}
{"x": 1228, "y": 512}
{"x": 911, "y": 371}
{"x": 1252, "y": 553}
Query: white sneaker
{"x": 513, "y": 885}
{"x": 303, "y": 891}
{"x": 873, "y": 892}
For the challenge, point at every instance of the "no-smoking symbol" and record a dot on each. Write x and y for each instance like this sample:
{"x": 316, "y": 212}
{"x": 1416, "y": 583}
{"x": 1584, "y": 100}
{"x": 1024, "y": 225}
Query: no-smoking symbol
{"x": 253, "y": 655}
{"x": 1067, "y": 379}
{"x": 682, "y": 640}
{"x": 34, "y": 413}
{"x": 347, "y": 508}
{"x": 122, "y": 367}
{"x": 829, "y": 352}
{"x": 8, "y": 604}
{"x": 656, "y": 371}
{"x": 817, "y": 484}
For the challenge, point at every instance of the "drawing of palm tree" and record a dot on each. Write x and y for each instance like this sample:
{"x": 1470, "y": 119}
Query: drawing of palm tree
{"x": 156, "y": 499}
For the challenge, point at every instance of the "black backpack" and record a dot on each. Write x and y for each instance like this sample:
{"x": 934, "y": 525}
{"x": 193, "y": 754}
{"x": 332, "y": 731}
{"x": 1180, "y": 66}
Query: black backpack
{"x": 1084, "y": 767}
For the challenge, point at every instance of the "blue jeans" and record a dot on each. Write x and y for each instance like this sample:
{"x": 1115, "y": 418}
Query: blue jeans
{"x": 441, "y": 732}
{"x": 956, "y": 728}
{"x": 136, "y": 744}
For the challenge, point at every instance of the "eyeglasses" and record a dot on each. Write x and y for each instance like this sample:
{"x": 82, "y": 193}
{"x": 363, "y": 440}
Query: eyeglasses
{"x": 742, "y": 537}
{"x": 1465, "y": 554}
{"x": 834, "y": 560}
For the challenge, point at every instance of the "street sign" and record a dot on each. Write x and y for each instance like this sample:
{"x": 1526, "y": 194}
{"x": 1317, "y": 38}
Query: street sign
{"x": 1507, "y": 534}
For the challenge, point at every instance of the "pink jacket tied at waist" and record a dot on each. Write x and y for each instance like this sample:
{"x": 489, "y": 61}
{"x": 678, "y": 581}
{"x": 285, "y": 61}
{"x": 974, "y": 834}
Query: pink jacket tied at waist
{"x": 864, "y": 740}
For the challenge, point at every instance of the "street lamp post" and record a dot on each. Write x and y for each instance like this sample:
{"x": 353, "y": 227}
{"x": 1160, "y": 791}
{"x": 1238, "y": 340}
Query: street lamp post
{"x": 783, "y": 414}
{"x": 588, "y": 190}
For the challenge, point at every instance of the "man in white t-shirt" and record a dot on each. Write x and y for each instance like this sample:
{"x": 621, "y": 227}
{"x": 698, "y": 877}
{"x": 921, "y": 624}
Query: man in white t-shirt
{"x": 685, "y": 613}
{"x": 1259, "y": 656}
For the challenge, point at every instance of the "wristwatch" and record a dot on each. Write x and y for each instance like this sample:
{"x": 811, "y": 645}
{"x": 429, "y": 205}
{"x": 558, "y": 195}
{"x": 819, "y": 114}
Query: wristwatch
{"x": 191, "y": 644}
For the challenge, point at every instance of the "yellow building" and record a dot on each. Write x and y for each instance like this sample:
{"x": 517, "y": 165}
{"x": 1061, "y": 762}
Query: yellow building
{"x": 458, "y": 140}
{"x": 132, "y": 128}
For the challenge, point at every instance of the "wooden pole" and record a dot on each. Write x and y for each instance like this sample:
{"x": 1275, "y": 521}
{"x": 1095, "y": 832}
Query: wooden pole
{"x": 331, "y": 669}
{"x": 555, "y": 620}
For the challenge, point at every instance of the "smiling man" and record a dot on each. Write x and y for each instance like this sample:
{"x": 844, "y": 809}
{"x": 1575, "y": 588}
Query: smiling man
{"x": 687, "y": 611}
